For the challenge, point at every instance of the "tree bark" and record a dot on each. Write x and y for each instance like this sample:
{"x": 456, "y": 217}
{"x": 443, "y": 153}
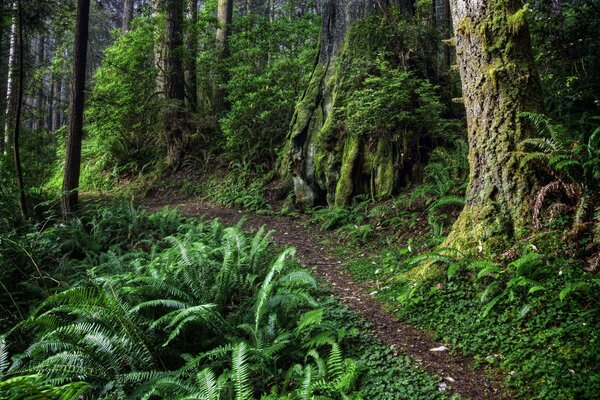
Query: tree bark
{"x": 175, "y": 84}
{"x": 10, "y": 84}
{"x": 192, "y": 49}
{"x": 128, "y": 6}
{"x": 38, "y": 106}
{"x": 330, "y": 171}
{"x": 18, "y": 113}
{"x": 72, "y": 170}
{"x": 499, "y": 81}
{"x": 224, "y": 16}
{"x": 57, "y": 103}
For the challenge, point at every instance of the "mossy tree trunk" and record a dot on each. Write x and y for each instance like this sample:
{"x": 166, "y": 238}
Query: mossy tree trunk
{"x": 499, "y": 81}
{"x": 325, "y": 164}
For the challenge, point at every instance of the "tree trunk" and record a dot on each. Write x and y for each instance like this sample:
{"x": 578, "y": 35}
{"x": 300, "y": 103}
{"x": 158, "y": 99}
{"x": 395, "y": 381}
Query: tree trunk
{"x": 192, "y": 49}
{"x": 499, "y": 81}
{"x": 159, "y": 49}
{"x": 57, "y": 103}
{"x": 175, "y": 84}
{"x": 324, "y": 164}
{"x": 224, "y": 16}
{"x": 10, "y": 84}
{"x": 75, "y": 135}
{"x": 128, "y": 6}
{"x": 18, "y": 113}
{"x": 38, "y": 106}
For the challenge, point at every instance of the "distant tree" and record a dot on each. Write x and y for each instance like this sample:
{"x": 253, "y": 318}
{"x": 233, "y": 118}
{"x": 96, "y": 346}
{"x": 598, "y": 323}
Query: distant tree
{"x": 174, "y": 83}
{"x": 75, "y": 134}
{"x": 224, "y": 16}
{"x": 10, "y": 83}
{"x": 499, "y": 82}
{"x": 19, "y": 113}
{"x": 192, "y": 55}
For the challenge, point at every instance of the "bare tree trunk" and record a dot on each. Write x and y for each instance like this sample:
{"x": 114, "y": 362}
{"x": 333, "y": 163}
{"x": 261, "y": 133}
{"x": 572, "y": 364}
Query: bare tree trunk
{"x": 10, "y": 83}
{"x": 192, "y": 48}
{"x": 224, "y": 16}
{"x": 73, "y": 161}
{"x": 175, "y": 84}
{"x": 18, "y": 113}
{"x": 128, "y": 6}
{"x": 499, "y": 81}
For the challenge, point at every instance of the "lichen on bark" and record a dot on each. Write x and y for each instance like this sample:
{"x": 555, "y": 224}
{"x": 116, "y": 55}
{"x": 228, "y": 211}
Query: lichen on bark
{"x": 499, "y": 82}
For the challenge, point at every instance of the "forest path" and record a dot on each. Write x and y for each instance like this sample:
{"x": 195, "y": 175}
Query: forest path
{"x": 454, "y": 370}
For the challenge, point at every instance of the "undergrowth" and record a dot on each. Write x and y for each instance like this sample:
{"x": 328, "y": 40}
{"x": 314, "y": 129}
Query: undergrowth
{"x": 121, "y": 303}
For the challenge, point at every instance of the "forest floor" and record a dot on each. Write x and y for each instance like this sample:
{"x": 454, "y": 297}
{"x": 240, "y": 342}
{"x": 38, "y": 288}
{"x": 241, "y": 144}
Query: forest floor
{"x": 454, "y": 369}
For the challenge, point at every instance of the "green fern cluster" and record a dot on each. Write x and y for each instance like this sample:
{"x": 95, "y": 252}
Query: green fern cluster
{"x": 208, "y": 312}
{"x": 572, "y": 160}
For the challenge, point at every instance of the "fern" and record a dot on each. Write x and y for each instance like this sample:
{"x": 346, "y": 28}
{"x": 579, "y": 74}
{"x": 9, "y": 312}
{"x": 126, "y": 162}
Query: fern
{"x": 241, "y": 373}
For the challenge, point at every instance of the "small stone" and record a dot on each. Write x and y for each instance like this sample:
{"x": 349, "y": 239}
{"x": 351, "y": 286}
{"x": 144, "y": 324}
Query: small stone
{"x": 438, "y": 349}
{"x": 450, "y": 379}
{"x": 442, "y": 387}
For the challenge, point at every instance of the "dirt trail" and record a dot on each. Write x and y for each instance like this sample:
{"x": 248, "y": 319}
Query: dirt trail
{"x": 455, "y": 371}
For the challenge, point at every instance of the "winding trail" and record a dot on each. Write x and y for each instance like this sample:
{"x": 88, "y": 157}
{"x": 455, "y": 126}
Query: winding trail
{"x": 454, "y": 370}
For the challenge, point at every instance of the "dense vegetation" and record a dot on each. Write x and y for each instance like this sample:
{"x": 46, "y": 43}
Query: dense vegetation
{"x": 456, "y": 168}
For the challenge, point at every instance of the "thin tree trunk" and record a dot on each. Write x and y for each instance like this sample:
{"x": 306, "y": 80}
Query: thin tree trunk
{"x": 159, "y": 49}
{"x": 224, "y": 16}
{"x": 10, "y": 83}
{"x": 73, "y": 161}
{"x": 128, "y": 6}
{"x": 192, "y": 48}
{"x": 499, "y": 81}
{"x": 18, "y": 112}
{"x": 175, "y": 84}
{"x": 38, "y": 106}
{"x": 56, "y": 103}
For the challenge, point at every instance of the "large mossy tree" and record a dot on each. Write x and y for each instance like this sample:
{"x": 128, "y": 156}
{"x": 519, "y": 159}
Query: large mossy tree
{"x": 356, "y": 130}
{"x": 499, "y": 83}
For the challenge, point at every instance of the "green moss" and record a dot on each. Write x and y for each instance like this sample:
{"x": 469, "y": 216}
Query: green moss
{"x": 345, "y": 187}
{"x": 385, "y": 175}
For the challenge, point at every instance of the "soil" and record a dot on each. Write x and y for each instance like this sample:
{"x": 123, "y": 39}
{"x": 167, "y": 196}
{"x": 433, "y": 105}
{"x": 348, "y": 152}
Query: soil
{"x": 454, "y": 369}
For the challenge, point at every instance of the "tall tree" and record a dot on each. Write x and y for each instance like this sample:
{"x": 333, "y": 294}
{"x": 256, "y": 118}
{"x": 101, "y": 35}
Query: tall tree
{"x": 10, "y": 83}
{"x": 174, "y": 83}
{"x": 18, "y": 114}
{"x": 75, "y": 135}
{"x": 324, "y": 164}
{"x": 224, "y": 17}
{"x": 192, "y": 55}
{"x": 499, "y": 81}
{"x": 38, "y": 105}
{"x": 128, "y": 7}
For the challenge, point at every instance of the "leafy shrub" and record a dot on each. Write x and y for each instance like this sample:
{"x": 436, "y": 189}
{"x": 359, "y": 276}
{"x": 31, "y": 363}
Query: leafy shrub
{"x": 268, "y": 68}
{"x": 123, "y": 109}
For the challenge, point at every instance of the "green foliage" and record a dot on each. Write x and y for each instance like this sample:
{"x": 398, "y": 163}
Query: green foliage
{"x": 241, "y": 188}
{"x": 572, "y": 159}
{"x": 124, "y": 107}
{"x": 397, "y": 102}
{"x": 444, "y": 185}
{"x": 208, "y": 311}
{"x": 533, "y": 317}
{"x": 269, "y": 66}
